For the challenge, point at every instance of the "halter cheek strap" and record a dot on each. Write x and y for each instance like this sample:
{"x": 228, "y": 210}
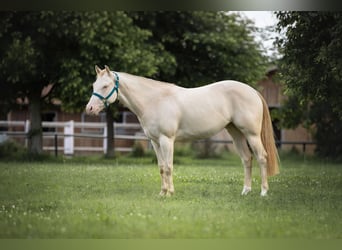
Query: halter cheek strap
{"x": 114, "y": 89}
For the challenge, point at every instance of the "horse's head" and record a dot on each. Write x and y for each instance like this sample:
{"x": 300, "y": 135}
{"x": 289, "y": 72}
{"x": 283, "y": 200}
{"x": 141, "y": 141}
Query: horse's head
{"x": 105, "y": 90}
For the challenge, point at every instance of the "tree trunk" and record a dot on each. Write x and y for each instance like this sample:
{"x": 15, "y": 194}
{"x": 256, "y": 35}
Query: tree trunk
{"x": 110, "y": 133}
{"x": 35, "y": 136}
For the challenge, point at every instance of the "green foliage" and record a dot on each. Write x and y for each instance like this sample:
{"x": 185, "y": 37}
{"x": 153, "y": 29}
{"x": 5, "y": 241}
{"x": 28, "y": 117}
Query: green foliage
{"x": 328, "y": 127}
{"x": 138, "y": 150}
{"x": 290, "y": 115}
{"x": 10, "y": 150}
{"x": 207, "y": 46}
{"x": 107, "y": 38}
{"x": 115, "y": 200}
{"x": 312, "y": 70}
{"x": 206, "y": 149}
{"x": 34, "y": 46}
{"x": 62, "y": 47}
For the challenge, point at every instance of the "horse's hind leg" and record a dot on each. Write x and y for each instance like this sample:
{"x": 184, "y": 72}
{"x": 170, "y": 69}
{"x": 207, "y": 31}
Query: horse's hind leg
{"x": 261, "y": 156}
{"x": 245, "y": 154}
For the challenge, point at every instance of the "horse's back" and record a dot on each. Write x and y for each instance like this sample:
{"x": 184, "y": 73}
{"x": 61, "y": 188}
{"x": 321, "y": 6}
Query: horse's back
{"x": 233, "y": 88}
{"x": 229, "y": 95}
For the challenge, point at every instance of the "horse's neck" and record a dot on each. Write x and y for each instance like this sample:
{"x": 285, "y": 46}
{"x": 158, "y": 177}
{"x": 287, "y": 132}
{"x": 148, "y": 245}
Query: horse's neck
{"x": 135, "y": 93}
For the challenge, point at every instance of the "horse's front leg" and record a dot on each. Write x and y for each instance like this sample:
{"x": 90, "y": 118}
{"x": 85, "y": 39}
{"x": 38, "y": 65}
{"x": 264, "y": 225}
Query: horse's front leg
{"x": 164, "y": 151}
{"x": 164, "y": 185}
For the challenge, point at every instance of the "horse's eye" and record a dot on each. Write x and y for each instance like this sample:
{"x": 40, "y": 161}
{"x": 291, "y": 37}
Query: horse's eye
{"x": 105, "y": 86}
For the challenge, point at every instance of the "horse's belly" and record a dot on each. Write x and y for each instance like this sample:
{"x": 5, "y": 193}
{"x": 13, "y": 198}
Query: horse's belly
{"x": 200, "y": 128}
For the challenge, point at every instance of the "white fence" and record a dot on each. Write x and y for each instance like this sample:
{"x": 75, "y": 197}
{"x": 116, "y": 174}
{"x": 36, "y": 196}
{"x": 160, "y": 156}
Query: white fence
{"x": 70, "y": 131}
{"x": 70, "y": 136}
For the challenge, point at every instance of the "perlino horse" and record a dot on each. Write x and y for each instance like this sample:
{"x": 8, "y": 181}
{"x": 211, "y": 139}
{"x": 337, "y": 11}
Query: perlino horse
{"x": 168, "y": 113}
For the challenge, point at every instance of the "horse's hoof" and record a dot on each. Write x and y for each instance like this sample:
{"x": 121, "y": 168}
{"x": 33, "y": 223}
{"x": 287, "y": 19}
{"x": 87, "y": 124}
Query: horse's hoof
{"x": 166, "y": 193}
{"x": 263, "y": 193}
{"x": 246, "y": 190}
{"x": 163, "y": 193}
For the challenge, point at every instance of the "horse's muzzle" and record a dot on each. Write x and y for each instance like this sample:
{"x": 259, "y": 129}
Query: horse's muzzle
{"x": 92, "y": 110}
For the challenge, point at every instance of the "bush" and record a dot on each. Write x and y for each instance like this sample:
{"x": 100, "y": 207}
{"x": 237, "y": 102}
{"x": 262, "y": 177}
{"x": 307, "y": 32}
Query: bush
{"x": 183, "y": 149}
{"x": 11, "y": 149}
{"x": 138, "y": 150}
{"x": 206, "y": 149}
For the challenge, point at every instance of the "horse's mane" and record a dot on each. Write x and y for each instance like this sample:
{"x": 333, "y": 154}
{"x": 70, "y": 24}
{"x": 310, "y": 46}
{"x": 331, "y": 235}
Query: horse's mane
{"x": 149, "y": 82}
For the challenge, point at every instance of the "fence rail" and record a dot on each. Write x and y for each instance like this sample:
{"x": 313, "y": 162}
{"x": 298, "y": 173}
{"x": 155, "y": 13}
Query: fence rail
{"x": 67, "y": 132}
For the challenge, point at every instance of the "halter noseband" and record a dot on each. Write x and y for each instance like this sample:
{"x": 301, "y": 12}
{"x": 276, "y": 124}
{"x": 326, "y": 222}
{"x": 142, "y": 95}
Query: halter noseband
{"x": 115, "y": 89}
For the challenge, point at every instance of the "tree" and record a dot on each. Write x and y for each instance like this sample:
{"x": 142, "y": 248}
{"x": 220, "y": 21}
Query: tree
{"x": 39, "y": 48}
{"x": 109, "y": 38}
{"x": 33, "y": 46}
{"x": 208, "y": 46}
{"x": 312, "y": 70}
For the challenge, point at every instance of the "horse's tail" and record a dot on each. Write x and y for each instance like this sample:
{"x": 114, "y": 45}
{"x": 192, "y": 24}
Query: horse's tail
{"x": 267, "y": 138}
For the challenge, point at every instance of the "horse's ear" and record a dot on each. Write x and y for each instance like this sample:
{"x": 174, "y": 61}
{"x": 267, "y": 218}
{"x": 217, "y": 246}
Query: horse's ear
{"x": 97, "y": 69}
{"x": 107, "y": 70}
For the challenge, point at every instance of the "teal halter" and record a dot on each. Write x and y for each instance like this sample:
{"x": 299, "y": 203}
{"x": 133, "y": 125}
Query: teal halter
{"x": 115, "y": 89}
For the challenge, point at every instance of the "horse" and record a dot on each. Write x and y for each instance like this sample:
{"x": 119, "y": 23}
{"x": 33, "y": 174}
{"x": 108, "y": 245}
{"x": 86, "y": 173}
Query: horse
{"x": 170, "y": 113}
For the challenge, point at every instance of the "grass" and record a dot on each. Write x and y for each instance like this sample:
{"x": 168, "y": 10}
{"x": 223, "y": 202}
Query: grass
{"x": 101, "y": 198}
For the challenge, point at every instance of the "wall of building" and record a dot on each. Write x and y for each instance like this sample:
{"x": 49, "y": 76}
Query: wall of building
{"x": 273, "y": 94}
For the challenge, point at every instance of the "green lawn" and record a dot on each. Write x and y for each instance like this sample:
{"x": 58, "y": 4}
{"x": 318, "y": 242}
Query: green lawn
{"x": 119, "y": 199}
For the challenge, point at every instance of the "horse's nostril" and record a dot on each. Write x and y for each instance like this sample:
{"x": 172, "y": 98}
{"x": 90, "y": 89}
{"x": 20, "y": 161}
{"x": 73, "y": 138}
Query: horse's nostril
{"x": 89, "y": 108}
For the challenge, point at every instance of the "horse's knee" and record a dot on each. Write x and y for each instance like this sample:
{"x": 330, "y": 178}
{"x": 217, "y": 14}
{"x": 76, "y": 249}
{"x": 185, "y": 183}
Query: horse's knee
{"x": 263, "y": 159}
{"x": 167, "y": 171}
{"x": 247, "y": 161}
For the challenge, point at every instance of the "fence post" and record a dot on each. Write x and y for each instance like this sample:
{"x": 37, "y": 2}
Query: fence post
{"x": 304, "y": 147}
{"x": 56, "y": 144}
{"x": 105, "y": 134}
{"x": 27, "y": 129}
{"x": 69, "y": 138}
